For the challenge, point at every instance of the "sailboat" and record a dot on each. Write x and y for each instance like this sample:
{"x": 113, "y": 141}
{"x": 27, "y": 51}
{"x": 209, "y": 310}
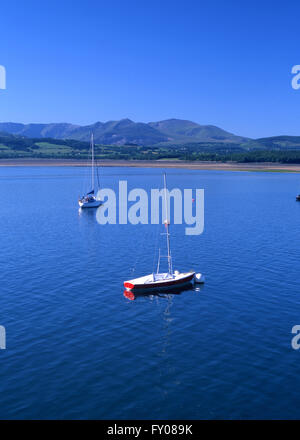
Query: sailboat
{"x": 89, "y": 200}
{"x": 167, "y": 280}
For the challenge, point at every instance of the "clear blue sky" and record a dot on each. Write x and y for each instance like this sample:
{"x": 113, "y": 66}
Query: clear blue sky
{"x": 226, "y": 63}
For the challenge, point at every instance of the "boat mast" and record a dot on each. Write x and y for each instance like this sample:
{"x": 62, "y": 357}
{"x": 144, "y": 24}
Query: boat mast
{"x": 167, "y": 226}
{"x": 93, "y": 177}
{"x": 158, "y": 263}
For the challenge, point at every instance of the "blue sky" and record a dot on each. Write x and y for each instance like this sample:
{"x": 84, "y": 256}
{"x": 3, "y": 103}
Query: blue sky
{"x": 222, "y": 63}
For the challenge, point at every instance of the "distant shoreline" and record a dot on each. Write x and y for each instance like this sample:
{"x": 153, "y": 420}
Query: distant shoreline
{"x": 195, "y": 165}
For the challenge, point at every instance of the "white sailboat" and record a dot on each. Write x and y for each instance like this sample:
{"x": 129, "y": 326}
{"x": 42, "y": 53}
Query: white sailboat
{"x": 167, "y": 280}
{"x": 89, "y": 200}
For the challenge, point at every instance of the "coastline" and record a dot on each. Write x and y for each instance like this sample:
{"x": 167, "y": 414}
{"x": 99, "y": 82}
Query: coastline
{"x": 197, "y": 165}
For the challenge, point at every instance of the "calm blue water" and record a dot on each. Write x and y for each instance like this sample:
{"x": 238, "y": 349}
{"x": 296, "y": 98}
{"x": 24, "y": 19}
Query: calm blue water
{"x": 77, "y": 348}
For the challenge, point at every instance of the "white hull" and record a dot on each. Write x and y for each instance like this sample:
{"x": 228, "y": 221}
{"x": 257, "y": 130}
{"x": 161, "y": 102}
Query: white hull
{"x": 162, "y": 281}
{"x": 199, "y": 278}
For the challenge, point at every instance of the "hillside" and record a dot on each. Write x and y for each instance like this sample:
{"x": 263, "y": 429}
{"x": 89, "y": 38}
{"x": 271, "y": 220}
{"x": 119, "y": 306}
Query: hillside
{"x": 181, "y": 131}
{"x": 279, "y": 142}
{"x": 280, "y": 149}
{"x": 125, "y": 131}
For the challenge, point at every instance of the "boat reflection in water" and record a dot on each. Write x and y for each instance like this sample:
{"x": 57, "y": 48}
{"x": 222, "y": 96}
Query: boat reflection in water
{"x": 133, "y": 295}
{"x": 88, "y": 213}
{"x": 168, "y": 380}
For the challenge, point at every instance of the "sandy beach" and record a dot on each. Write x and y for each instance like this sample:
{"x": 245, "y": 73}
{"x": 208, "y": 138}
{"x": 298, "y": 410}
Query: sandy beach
{"x": 197, "y": 165}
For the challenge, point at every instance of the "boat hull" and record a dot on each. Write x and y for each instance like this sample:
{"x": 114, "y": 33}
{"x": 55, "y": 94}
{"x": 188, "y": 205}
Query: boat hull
{"x": 183, "y": 280}
{"x": 94, "y": 204}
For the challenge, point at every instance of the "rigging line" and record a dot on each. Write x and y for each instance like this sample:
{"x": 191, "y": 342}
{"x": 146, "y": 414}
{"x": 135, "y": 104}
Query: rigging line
{"x": 87, "y": 172}
{"x": 97, "y": 173}
{"x": 156, "y": 247}
{"x": 93, "y": 164}
{"x": 167, "y": 222}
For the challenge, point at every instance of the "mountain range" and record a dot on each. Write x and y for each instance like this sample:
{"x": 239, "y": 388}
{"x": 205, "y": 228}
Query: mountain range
{"x": 126, "y": 132}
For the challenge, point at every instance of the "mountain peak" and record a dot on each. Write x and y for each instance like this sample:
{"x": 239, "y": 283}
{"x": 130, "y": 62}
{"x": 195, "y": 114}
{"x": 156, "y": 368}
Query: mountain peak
{"x": 126, "y": 131}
